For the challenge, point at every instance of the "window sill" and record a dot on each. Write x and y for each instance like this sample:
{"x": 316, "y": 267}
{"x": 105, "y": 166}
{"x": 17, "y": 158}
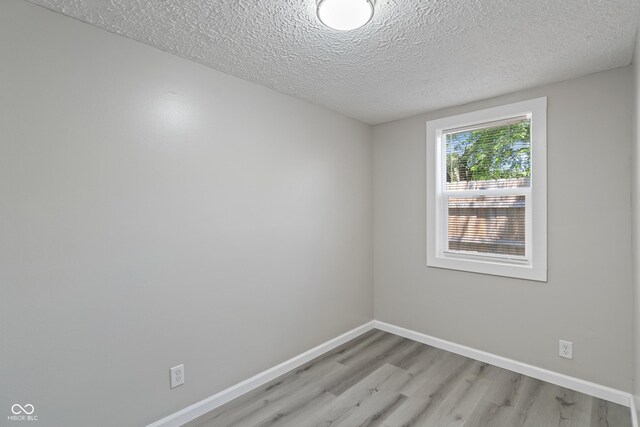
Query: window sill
{"x": 505, "y": 267}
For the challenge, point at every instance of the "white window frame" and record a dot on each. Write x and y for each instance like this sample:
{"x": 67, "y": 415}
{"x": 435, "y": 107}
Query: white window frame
{"x": 533, "y": 265}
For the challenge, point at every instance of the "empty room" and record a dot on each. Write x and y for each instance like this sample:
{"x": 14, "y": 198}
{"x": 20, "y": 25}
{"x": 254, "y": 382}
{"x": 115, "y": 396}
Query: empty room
{"x": 319, "y": 213}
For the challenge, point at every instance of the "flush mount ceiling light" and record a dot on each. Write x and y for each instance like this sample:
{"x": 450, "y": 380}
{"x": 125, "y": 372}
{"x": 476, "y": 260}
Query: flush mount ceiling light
{"x": 345, "y": 15}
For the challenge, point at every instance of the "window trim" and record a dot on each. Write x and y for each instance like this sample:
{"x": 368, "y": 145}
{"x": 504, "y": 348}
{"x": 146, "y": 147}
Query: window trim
{"x": 535, "y": 267}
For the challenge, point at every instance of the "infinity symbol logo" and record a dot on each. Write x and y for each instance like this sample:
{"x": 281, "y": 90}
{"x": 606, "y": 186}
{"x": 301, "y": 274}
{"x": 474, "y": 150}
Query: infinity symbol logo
{"x": 27, "y": 409}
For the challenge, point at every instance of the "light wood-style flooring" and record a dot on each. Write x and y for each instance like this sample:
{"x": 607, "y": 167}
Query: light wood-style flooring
{"x": 380, "y": 379}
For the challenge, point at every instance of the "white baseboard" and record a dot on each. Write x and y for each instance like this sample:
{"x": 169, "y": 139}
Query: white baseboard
{"x": 200, "y": 408}
{"x": 592, "y": 389}
{"x": 635, "y": 404}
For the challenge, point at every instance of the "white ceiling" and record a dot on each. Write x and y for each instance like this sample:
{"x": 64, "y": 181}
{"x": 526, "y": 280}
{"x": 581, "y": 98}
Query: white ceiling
{"x": 415, "y": 56}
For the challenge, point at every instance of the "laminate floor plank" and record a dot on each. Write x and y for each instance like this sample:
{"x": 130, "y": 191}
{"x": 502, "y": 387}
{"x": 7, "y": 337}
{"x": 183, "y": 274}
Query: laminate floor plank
{"x": 425, "y": 401}
{"x": 365, "y": 397}
{"x": 380, "y": 342}
{"x": 409, "y": 355}
{"x": 608, "y": 414}
{"x": 498, "y": 403}
{"x": 275, "y": 396}
{"x": 425, "y": 368}
{"x": 380, "y": 379}
{"x": 354, "y": 346}
{"x": 465, "y": 396}
{"x": 273, "y": 411}
{"x": 526, "y": 397}
{"x": 554, "y": 406}
{"x": 368, "y": 361}
{"x": 297, "y": 414}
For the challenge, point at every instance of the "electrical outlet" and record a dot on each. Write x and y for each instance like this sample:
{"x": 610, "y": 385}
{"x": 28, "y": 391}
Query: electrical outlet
{"x": 177, "y": 376}
{"x": 566, "y": 349}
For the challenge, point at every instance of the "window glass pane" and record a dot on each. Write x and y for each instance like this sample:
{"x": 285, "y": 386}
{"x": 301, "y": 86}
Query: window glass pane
{"x": 495, "y": 155}
{"x": 487, "y": 225}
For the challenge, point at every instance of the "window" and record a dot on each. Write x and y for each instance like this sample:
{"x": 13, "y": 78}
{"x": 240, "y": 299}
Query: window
{"x": 486, "y": 191}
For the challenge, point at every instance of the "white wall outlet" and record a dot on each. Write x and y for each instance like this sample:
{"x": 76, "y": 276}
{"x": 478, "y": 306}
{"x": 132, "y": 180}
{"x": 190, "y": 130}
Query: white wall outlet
{"x": 566, "y": 349}
{"x": 177, "y": 376}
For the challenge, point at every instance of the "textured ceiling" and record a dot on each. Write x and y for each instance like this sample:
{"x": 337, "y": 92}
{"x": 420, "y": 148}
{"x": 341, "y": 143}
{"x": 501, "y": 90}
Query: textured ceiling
{"x": 415, "y": 55}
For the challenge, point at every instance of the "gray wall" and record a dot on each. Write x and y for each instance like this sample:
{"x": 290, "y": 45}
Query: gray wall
{"x": 588, "y": 298}
{"x": 636, "y": 218}
{"x": 156, "y": 212}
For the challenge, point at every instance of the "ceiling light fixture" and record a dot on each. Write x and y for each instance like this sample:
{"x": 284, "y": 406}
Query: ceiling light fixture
{"x": 345, "y": 15}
